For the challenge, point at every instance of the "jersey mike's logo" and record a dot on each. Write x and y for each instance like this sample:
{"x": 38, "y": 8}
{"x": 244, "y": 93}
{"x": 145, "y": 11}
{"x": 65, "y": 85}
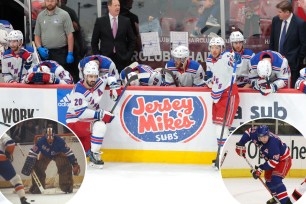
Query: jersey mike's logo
{"x": 163, "y": 118}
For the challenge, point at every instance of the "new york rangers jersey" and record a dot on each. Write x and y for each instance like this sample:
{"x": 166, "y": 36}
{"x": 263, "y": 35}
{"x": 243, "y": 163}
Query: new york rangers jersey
{"x": 219, "y": 71}
{"x": 301, "y": 79}
{"x": 6, "y": 144}
{"x": 243, "y": 66}
{"x": 13, "y": 66}
{"x": 62, "y": 76}
{"x": 273, "y": 151}
{"x": 193, "y": 75}
{"x": 58, "y": 147}
{"x": 84, "y": 103}
{"x": 280, "y": 69}
{"x": 106, "y": 66}
{"x": 141, "y": 68}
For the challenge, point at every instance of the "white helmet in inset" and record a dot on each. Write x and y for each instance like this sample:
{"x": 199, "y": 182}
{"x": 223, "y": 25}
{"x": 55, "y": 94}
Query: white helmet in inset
{"x": 91, "y": 68}
{"x": 217, "y": 41}
{"x": 264, "y": 68}
{"x": 15, "y": 35}
{"x": 236, "y": 36}
{"x": 3, "y": 37}
{"x": 180, "y": 52}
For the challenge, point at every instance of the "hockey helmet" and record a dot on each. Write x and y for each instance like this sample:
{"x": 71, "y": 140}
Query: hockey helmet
{"x": 15, "y": 35}
{"x": 264, "y": 68}
{"x": 180, "y": 52}
{"x": 217, "y": 41}
{"x": 44, "y": 69}
{"x": 262, "y": 130}
{"x": 134, "y": 82}
{"x": 3, "y": 36}
{"x": 236, "y": 36}
{"x": 91, "y": 68}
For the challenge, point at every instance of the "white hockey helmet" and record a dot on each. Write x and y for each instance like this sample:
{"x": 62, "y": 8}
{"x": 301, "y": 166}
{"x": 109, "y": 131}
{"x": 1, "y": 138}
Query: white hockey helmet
{"x": 180, "y": 52}
{"x": 236, "y": 36}
{"x": 44, "y": 69}
{"x": 3, "y": 36}
{"x": 217, "y": 41}
{"x": 134, "y": 82}
{"x": 91, "y": 68}
{"x": 15, "y": 35}
{"x": 264, "y": 68}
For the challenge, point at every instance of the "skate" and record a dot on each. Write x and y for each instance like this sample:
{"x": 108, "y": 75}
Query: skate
{"x": 271, "y": 201}
{"x": 95, "y": 160}
{"x": 23, "y": 200}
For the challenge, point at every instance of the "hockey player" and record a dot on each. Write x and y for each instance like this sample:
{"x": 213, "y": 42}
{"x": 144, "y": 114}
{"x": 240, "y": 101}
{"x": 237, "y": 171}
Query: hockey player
{"x": 7, "y": 171}
{"x": 17, "y": 60}
{"x": 48, "y": 148}
{"x": 187, "y": 72}
{"x": 297, "y": 193}
{"x": 3, "y": 44}
{"x": 84, "y": 115}
{"x": 301, "y": 81}
{"x": 106, "y": 66}
{"x": 269, "y": 72}
{"x": 277, "y": 159}
{"x": 219, "y": 72}
{"x": 243, "y": 55}
{"x": 48, "y": 72}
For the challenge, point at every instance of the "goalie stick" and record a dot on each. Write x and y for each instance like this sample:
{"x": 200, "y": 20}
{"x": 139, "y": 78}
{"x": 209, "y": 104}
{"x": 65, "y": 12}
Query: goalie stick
{"x": 223, "y": 158}
{"x": 260, "y": 179}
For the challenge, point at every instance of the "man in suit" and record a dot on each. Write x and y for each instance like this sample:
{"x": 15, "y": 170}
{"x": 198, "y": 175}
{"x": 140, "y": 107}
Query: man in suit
{"x": 115, "y": 33}
{"x": 288, "y": 37}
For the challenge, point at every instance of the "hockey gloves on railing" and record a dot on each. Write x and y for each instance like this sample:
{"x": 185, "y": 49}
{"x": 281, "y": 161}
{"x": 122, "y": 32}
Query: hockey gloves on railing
{"x": 27, "y": 58}
{"x": 256, "y": 172}
{"x": 76, "y": 169}
{"x": 266, "y": 91}
{"x": 40, "y": 77}
{"x": 240, "y": 149}
{"x": 106, "y": 116}
{"x": 261, "y": 86}
{"x": 43, "y": 52}
{"x": 70, "y": 58}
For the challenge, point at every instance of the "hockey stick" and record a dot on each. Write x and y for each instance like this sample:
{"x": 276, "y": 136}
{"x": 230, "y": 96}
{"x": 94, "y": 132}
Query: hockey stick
{"x": 223, "y": 158}
{"x": 35, "y": 177}
{"x": 132, "y": 78}
{"x": 260, "y": 179}
{"x": 225, "y": 114}
{"x": 35, "y": 52}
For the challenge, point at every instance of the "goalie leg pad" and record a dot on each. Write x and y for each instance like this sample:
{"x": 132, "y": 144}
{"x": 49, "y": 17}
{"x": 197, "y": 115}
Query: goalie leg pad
{"x": 28, "y": 165}
{"x": 64, "y": 170}
{"x": 40, "y": 170}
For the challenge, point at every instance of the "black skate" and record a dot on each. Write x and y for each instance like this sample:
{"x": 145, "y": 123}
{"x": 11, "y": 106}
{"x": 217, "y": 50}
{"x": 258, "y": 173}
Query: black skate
{"x": 272, "y": 201}
{"x": 95, "y": 160}
{"x": 23, "y": 200}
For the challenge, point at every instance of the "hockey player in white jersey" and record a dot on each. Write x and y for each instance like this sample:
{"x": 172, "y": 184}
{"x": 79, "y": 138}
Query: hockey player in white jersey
{"x": 7, "y": 171}
{"x": 16, "y": 60}
{"x": 219, "y": 72}
{"x": 300, "y": 84}
{"x": 269, "y": 72}
{"x": 5, "y": 29}
{"x": 48, "y": 72}
{"x": 84, "y": 115}
{"x": 106, "y": 65}
{"x": 297, "y": 193}
{"x": 243, "y": 56}
{"x": 187, "y": 72}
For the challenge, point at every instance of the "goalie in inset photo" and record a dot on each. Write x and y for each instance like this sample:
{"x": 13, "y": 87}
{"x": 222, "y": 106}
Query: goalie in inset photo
{"x": 52, "y": 163}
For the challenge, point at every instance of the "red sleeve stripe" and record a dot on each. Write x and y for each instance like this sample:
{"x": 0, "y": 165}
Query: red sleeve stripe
{"x": 285, "y": 155}
{"x": 272, "y": 163}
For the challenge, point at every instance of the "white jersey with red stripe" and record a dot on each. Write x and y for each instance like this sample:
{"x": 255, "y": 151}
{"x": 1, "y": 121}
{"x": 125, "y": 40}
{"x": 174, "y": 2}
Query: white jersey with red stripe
{"x": 219, "y": 71}
{"x": 298, "y": 192}
{"x": 106, "y": 66}
{"x": 5, "y": 142}
{"x": 193, "y": 75}
{"x": 280, "y": 76}
{"x": 301, "y": 79}
{"x": 84, "y": 103}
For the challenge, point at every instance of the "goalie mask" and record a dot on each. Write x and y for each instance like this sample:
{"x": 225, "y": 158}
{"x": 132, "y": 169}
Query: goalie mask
{"x": 264, "y": 69}
{"x": 50, "y": 135}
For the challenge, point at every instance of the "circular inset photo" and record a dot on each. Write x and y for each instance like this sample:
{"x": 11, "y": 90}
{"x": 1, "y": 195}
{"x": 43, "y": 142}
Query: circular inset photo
{"x": 263, "y": 161}
{"x": 41, "y": 161}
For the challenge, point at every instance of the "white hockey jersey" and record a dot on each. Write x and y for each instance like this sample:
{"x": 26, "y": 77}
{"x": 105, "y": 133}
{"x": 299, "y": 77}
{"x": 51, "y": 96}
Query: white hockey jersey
{"x": 140, "y": 68}
{"x": 301, "y": 79}
{"x": 5, "y": 142}
{"x": 84, "y": 103}
{"x": 219, "y": 71}
{"x": 281, "y": 73}
{"x": 193, "y": 75}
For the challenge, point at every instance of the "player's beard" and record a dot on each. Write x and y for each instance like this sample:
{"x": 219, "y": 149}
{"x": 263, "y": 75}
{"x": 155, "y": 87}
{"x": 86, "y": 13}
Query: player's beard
{"x": 90, "y": 83}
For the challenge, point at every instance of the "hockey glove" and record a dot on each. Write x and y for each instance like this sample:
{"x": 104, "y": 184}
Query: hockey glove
{"x": 240, "y": 149}
{"x": 27, "y": 58}
{"x": 115, "y": 91}
{"x": 76, "y": 169}
{"x": 40, "y": 77}
{"x": 9, "y": 156}
{"x": 303, "y": 86}
{"x": 70, "y": 58}
{"x": 258, "y": 83}
{"x": 209, "y": 83}
{"x": 256, "y": 172}
{"x": 106, "y": 116}
{"x": 266, "y": 91}
{"x": 43, "y": 52}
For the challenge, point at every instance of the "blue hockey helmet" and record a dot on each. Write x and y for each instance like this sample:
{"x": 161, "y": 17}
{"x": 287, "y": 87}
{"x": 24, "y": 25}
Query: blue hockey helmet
{"x": 262, "y": 130}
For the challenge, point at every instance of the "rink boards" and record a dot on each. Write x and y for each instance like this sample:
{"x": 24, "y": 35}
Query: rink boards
{"x": 154, "y": 124}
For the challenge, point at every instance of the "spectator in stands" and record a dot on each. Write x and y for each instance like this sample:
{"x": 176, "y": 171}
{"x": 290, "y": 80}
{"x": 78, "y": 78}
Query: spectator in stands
{"x": 288, "y": 37}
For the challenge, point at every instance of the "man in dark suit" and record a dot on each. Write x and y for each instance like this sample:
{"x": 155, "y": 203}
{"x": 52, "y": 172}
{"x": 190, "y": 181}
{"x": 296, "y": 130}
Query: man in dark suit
{"x": 288, "y": 37}
{"x": 115, "y": 33}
